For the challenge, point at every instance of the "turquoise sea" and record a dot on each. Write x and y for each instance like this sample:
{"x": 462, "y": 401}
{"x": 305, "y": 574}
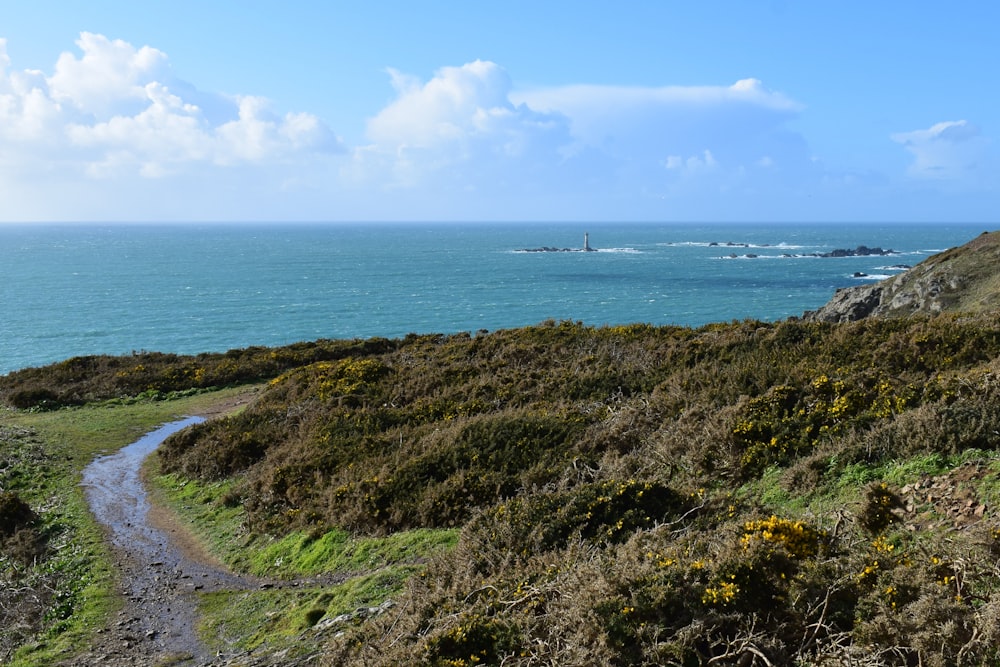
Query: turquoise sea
{"x": 68, "y": 290}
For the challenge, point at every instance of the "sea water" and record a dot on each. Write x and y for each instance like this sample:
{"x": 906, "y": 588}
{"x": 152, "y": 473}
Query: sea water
{"x": 68, "y": 290}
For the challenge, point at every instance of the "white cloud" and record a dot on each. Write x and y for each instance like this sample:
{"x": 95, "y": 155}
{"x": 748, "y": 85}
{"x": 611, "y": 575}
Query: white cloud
{"x": 112, "y": 133}
{"x": 673, "y": 119}
{"x": 110, "y": 77}
{"x": 117, "y": 110}
{"x": 458, "y": 131}
{"x": 468, "y": 130}
{"x": 674, "y": 146}
{"x": 695, "y": 163}
{"x": 458, "y": 103}
{"x": 947, "y": 151}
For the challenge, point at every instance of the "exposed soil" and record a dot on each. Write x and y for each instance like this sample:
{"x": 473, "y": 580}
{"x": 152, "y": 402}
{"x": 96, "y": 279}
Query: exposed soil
{"x": 950, "y": 501}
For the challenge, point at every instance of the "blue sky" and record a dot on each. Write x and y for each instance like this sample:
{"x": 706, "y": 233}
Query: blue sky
{"x": 648, "y": 110}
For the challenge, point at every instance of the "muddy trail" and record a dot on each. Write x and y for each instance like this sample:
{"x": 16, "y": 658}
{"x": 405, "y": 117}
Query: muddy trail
{"x": 160, "y": 576}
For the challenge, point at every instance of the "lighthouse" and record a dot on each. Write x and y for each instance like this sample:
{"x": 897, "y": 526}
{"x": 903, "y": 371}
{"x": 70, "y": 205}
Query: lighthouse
{"x": 586, "y": 242}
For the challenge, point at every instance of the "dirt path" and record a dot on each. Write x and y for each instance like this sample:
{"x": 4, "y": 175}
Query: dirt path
{"x": 159, "y": 580}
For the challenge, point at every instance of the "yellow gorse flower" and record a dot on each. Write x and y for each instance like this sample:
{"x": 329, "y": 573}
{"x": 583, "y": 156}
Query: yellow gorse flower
{"x": 798, "y": 538}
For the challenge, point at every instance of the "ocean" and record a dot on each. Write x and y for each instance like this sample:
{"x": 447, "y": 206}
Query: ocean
{"x": 68, "y": 290}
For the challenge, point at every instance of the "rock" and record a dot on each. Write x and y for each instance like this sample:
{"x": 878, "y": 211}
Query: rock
{"x": 963, "y": 279}
{"x": 850, "y": 304}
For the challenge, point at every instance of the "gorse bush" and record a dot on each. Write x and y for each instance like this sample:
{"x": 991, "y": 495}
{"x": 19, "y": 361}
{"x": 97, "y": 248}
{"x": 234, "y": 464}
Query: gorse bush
{"x": 600, "y": 512}
{"x": 429, "y": 430}
{"x": 625, "y": 495}
{"x": 153, "y": 374}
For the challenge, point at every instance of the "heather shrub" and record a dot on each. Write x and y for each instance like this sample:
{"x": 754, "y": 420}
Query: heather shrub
{"x": 926, "y": 603}
{"x": 80, "y": 380}
{"x": 473, "y": 640}
{"x": 214, "y": 450}
{"x": 879, "y": 508}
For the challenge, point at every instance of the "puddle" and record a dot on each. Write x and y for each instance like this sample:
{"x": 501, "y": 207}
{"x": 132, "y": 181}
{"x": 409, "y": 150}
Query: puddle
{"x": 118, "y": 499}
{"x": 159, "y": 582}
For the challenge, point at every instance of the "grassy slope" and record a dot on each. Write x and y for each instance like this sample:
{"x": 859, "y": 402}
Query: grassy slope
{"x": 621, "y": 495}
{"x": 334, "y": 573}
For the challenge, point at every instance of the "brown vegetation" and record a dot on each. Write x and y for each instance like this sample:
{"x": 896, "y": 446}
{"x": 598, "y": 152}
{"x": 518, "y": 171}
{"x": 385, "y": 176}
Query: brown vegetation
{"x": 634, "y": 494}
{"x": 82, "y": 380}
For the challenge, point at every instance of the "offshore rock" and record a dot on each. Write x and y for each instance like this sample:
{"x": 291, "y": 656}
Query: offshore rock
{"x": 860, "y": 251}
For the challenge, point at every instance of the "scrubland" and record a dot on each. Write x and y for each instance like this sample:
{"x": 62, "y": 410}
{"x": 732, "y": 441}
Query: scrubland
{"x": 740, "y": 493}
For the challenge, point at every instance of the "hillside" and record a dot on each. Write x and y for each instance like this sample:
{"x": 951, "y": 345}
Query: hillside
{"x": 963, "y": 279}
{"x": 749, "y": 493}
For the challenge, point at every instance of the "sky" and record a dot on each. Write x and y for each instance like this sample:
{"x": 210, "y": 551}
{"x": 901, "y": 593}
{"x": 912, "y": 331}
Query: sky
{"x": 650, "y": 110}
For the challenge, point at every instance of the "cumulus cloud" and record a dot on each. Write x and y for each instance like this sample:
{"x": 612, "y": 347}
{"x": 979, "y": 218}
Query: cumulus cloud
{"x": 947, "y": 151}
{"x": 116, "y": 109}
{"x": 112, "y": 127}
{"x": 468, "y": 129}
{"x": 109, "y": 78}
{"x": 459, "y": 130}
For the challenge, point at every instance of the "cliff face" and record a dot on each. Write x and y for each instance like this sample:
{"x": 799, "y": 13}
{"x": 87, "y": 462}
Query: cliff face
{"x": 963, "y": 279}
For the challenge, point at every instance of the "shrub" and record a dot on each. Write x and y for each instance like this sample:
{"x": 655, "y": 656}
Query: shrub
{"x": 14, "y": 513}
{"x": 473, "y": 640}
{"x": 879, "y": 508}
{"x": 609, "y": 511}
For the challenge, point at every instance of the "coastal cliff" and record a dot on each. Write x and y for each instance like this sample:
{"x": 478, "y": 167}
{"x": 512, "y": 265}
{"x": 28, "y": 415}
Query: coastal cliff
{"x": 962, "y": 279}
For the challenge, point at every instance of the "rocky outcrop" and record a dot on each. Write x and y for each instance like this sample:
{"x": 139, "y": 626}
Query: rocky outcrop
{"x": 849, "y": 304}
{"x": 964, "y": 279}
{"x": 860, "y": 251}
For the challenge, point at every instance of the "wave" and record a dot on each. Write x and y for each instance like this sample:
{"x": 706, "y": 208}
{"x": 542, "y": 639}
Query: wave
{"x": 753, "y": 255}
{"x": 731, "y": 244}
{"x": 836, "y": 254}
{"x": 549, "y": 250}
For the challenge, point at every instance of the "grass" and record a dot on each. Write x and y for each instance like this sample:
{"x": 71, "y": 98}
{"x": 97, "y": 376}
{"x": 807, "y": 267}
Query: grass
{"x": 335, "y": 551}
{"x": 246, "y": 620}
{"x": 80, "y": 434}
{"x": 373, "y": 569}
{"x": 63, "y": 442}
{"x": 301, "y": 553}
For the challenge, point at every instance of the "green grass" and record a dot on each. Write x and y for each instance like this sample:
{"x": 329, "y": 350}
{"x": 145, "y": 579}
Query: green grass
{"x": 842, "y": 488}
{"x": 335, "y": 551}
{"x": 374, "y": 568}
{"x": 220, "y": 528}
{"x": 246, "y": 620}
{"x": 80, "y": 434}
{"x": 61, "y": 444}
